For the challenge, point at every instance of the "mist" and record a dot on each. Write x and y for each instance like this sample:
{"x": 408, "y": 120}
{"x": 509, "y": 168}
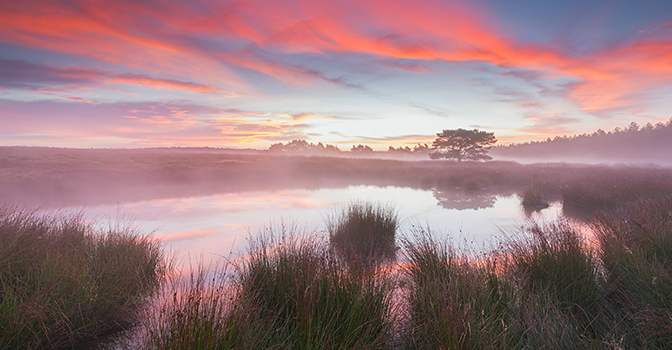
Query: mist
{"x": 646, "y": 146}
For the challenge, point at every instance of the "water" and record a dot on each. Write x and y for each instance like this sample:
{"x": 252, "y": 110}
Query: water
{"x": 212, "y": 227}
{"x": 218, "y": 225}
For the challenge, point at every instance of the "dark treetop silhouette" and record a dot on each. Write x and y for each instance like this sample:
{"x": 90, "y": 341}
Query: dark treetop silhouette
{"x": 463, "y": 144}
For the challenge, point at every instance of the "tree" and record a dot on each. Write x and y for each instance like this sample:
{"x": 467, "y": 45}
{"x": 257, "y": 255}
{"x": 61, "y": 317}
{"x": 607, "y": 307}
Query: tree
{"x": 463, "y": 144}
{"x": 303, "y": 146}
{"x": 361, "y": 149}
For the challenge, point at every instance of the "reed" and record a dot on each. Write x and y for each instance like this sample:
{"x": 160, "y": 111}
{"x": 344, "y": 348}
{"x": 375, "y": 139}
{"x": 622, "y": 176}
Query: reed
{"x": 314, "y": 299}
{"x": 364, "y": 231}
{"x": 64, "y": 281}
{"x": 199, "y": 312}
{"x": 554, "y": 259}
{"x": 636, "y": 251}
{"x": 456, "y": 303}
{"x": 291, "y": 291}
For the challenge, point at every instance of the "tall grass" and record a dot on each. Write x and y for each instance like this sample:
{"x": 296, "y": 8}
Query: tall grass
{"x": 315, "y": 300}
{"x": 454, "y": 303}
{"x": 636, "y": 250}
{"x": 201, "y": 312}
{"x": 290, "y": 292}
{"x": 554, "y": 260}
{"x": 64, "y": 281}
{"x": 540, "y": 290}
{"x": 545, "y": 287}
{"x": 364, "y": 231}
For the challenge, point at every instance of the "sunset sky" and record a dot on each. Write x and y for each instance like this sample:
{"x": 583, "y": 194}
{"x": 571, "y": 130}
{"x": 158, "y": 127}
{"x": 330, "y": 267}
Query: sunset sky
{"x": 246, "y": 74}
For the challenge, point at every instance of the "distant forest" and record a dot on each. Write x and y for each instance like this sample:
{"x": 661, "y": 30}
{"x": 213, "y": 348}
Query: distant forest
{"x": 648, "y": 143}
{"x": 305, "y": 147}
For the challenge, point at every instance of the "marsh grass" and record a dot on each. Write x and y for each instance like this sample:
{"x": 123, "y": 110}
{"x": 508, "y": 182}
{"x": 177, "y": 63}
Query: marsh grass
{"x": 364, "y": 231}
{"x": 199, "y": 312}
{"x": 64, "y": 280}
{"x": 547, "y": 287}
{"x": 636, "y": 250}
{"x": 454, "y": 303}
{"x": 315, "y": 299}
{"x": 543, "y": 287}
{"x": 553, "y": 259}
{"x": 533, "y": 197}
{"x": 599, "y": 189}
{"x": 292, "y": 291}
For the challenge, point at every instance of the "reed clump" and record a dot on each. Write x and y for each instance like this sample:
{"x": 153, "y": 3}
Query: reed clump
{"x": 540, "y": 290}
{"x": 636, "y": 250}
{"x": 292, "y": 291}
{"x": 364, "y": 231}
{"x": 533, "y": 200}
{"x": 455, "y": 302}
{"x": 64, "y": 280}
{"x": 201, "y": 311}
{"x": 555, "y": 266}
{"x": 315, "y": 299}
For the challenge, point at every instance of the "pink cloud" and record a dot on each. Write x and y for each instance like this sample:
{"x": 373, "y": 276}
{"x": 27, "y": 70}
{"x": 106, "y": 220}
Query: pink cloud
{"x": 145, "y": 124}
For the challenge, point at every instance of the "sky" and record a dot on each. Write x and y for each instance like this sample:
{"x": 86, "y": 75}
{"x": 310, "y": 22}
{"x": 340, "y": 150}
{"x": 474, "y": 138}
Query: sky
{"x": 247, "y": 74}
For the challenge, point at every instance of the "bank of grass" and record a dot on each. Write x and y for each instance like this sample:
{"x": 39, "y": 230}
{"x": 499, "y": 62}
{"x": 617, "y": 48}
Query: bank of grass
{"x": 202, "y": 311}
{"x": 547, "y": 287}
{"x": 598, "y": 189}
{"x": 454, "y": 302}
{"x": 636, "y": 251}
{"x": 544, "y": 287}
{"x": 292, "y": 291}
{"x": 64, "y": 281}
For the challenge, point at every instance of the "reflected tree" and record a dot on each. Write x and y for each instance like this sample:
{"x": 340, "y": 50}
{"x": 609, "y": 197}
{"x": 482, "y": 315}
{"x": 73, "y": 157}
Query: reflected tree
{"x": 460, "y": 199}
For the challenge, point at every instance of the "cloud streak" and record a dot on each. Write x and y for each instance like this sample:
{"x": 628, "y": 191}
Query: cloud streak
{"x": 22, "y": 74}
{"x": 140, "y": 124}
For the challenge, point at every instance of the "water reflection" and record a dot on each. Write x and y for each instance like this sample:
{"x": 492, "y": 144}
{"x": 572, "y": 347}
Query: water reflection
{"x": 459, "y": 199}
{"x": 213, "y": 226}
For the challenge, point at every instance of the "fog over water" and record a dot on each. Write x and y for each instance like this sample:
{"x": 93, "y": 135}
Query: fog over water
{"x": 217, "y": 225}
{"x": 206, "y": 204}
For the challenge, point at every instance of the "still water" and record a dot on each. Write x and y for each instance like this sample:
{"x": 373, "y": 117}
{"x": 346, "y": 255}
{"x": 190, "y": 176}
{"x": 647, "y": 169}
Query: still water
{"x": 219, "y": 225}
{"x": 212, "y": 227}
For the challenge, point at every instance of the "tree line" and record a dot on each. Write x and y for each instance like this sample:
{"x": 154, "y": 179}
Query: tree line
{"x": 458, "y": 144}
{"x": 651, "y": 141}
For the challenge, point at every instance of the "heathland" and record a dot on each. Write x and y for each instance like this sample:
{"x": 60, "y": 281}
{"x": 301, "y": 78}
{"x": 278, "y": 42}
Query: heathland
{"x": 364, "y": 285}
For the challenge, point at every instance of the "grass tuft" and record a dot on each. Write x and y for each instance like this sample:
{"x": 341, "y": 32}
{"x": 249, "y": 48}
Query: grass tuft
{"x": 636, "y": 250}
{"x": 456, "y": 303}
{"x": 364, "y": 231}
{"x": 290, "y": 292}
{"x": 64, "y": 281}
{"x": 200, "y": 312}
{"x": 313, "y": 298}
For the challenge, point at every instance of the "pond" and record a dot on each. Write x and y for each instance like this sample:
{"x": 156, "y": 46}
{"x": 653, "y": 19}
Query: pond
{"x": 210, "y": 227}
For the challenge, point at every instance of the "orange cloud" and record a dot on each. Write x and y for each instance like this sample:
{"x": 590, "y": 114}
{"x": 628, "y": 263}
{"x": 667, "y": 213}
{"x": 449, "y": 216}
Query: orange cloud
{"x": 162, "y": 83}
{"x": 108, "y": 33}
{"x": 305, "y": 116}
{"x": 79, "y": 99}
